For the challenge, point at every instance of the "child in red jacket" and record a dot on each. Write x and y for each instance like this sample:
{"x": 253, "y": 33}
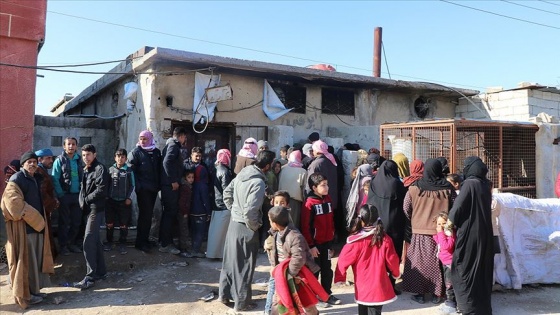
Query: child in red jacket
{"x": 445, "y": 240}
{"x": 317, "y": 226}
{"x": 371, "y": 253}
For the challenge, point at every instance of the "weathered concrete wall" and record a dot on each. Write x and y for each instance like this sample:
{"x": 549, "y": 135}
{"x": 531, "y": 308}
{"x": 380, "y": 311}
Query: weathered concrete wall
{"x": 547, "y": 159}
{"x": 102, "y": 133}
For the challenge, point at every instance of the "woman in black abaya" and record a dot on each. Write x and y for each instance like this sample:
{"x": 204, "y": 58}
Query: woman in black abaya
{"x": 473, "y": 259}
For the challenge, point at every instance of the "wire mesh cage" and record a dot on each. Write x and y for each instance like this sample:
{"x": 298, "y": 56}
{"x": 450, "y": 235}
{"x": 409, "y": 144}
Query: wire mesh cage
{"x": 507, "y": 148}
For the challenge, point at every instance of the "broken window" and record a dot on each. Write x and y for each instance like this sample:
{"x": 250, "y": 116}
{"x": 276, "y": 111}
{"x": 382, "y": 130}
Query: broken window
{"x": 337, "y": 101}
{"x": 291, "y": 95}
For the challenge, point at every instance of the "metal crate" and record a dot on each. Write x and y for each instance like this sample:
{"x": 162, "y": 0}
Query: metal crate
{"x": 507, "y": 148}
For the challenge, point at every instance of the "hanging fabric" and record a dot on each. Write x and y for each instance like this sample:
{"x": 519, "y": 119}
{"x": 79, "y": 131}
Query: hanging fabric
{"x": 202, "y": 110}
{"x": 272, "y": 105}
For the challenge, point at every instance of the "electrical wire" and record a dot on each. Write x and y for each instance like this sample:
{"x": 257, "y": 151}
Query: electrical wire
{"x": 529, "y": 7}
{"x": 385, "y": 57}
{"x": 248, "y": 49}
{"x": 101, "y": 72}
{"x": 549, "y": 2}
{"x": 76, "y": 65}
{"x": 502, "y": 15}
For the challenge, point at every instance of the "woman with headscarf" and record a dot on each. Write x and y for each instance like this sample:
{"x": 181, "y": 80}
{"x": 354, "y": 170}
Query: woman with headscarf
{"x": 444, "y": 165}
{"x": 246, "y": 155}
{"x": 308, "y": 156}
{"x": 292, "y": 179}
{"x": 221, "y": 215}
{"x": 387, "y": 195}
{"x": 430, "y": 196}
{"x": 416, "y": 173}
{"x": 145, "y": 160}
{"x": 402, "y": 165}
{"x": 356, "y": 195}
{"x": 473, "y": 260}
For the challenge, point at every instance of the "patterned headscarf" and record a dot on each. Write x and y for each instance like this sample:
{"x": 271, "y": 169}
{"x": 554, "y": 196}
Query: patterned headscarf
{"x": 249, "y": 149}
{"x": 294, "y": 160}
{"x": 151, "y": 144}
{"x": 322, "y": 148}
{"x": 223, "y": 157}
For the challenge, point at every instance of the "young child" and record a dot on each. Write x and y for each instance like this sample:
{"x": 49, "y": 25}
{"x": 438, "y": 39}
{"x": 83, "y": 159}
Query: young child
{"x": 445, "y": 240}
{"x": 287, "y": 243}
{"x": 455, "y": 180}
{"x": 185, "y": 200}
{"x": 371, "y": 253}
{"x": 317, "y": 222}
{"x": 280, "y": 198}
{"x": 118, "y": 205}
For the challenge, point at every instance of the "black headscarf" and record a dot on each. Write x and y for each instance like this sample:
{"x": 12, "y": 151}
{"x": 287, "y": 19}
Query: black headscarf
{"x": 385, "y": 183}
{"x": 433, "y": 178}
{"x": 474, "y": 167}
{"x": 444, "y": 165}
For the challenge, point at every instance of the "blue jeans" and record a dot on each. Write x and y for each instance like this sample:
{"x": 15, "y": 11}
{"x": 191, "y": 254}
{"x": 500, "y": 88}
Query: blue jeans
{"x": 198, "y": 229}
{"x": 270, "y": 296}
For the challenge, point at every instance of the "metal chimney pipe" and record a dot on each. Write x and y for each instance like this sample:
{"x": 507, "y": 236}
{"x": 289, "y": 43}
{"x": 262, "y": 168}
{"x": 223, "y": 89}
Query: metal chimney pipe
{"x": 377, "y": 40}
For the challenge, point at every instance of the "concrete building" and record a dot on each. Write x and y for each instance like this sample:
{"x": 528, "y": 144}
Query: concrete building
{"x": 341, "y": 107}
{"x": 22, "y": 34}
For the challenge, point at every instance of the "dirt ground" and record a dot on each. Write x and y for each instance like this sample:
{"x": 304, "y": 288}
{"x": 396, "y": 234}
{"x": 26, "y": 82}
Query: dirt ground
{"x": 159, "y": 283}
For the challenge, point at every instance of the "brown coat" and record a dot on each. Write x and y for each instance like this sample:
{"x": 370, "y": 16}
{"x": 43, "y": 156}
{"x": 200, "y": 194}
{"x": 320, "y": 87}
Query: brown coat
{"x": 426, "y": 206}
{"x": 17, "y": 214}
{"x": 50, "y": 203}
{"x": 294, "y": 247}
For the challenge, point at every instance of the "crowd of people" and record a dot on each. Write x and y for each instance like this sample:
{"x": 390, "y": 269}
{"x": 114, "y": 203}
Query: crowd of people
{"x": 435, "y": 224}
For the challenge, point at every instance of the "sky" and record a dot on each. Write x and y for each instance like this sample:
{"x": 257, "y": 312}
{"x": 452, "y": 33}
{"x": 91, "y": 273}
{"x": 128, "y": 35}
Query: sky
{"x": 454, "y": 43}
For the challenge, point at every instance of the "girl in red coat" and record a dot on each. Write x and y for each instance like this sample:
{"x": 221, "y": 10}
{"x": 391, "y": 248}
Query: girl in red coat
{"x": 371, "y": 254}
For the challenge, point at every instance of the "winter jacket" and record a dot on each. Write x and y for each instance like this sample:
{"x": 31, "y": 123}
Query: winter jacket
{"x": 201, "y": 196}
{"x": 244, "y": 196}
{"x": 122, "y": 182}
{"x": 323, "y": 165}
{"x": 294, "y": 247}
{"x": 48, "y": 195}
{"x": 317, "y": 220}
{"x": 222, "y": 179}
{"x": 30, "y": 187}
{"x": 172, "y": 166}
{"x": 426, "y": 205}
{"x": 146, "y": 166}
{"x": 67, "y": 174}
{"x": 185, "y": 198}
{"x": 95, "y": 187}
{"x": 370, "y": 265}
{"x": 293, "y": 180}
{"x": 446, "y": 246}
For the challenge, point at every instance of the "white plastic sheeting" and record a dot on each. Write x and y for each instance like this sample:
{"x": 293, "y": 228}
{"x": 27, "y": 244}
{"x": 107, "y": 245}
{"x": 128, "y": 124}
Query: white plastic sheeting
{"x": 272, "y": 105}
{"x": 202, "y": 110}
{"x": 130, "y": 90}
{"x": 527, "y": 229}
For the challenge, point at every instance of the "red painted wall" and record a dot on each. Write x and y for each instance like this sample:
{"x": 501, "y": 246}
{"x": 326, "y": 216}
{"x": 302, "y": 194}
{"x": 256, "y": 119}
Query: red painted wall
{"x": 22, "y": 29}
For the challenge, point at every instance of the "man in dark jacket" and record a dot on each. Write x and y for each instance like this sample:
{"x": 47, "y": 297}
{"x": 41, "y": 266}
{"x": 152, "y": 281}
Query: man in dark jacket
{"x": 50, "y": 202}
{"x": 145, "y": 161}
{"x": 93, "y": 196}
{"x": 171, "y": 174}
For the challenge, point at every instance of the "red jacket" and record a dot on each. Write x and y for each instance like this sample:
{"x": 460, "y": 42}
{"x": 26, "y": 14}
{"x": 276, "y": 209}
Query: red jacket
{"x": 557, "y": 186}
{"x": 317, "y": 220}
{"x": 446, "y": 247}
{"x": 370, "y": 265}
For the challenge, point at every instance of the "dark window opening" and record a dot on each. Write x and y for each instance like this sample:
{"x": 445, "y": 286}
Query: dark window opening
{"x": 293, "y": 96}
{"x": 422, "y": 106}
{"x": 336, "y": 101}
{"x": 56, "y": 141}
{"x": 85, "y": 140}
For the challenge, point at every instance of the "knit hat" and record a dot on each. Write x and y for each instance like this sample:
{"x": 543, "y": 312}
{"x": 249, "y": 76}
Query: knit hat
{"x": 26, "y": 156}
{"x": 44, "y": 152}
{"x": 262, "y": 143}
{"x": 314, "y": 136}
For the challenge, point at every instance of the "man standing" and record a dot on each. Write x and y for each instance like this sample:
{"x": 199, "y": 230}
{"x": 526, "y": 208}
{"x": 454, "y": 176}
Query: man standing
{"x": 93, "y": 196}
{"x": 244, "y": 197}
{"x": 171, "y": 173}
{"x": 145, "y": 161}
{"x": 201, "y": 209}
{"x": 50, "y": 202}
{"x": 67, "y": 174}
{"x": 29, "y": 256}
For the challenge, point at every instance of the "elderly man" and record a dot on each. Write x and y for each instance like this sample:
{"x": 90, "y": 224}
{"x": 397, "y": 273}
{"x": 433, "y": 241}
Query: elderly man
{"x": 244, "y": 197}
{"x": 50, "y": 202}
{"x": 29, "y": 256}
